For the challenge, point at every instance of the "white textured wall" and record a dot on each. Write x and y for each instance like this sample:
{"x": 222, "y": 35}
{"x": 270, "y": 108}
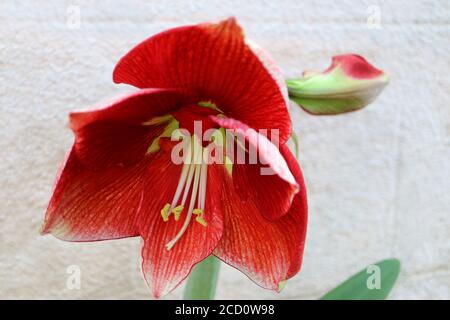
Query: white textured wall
{"x": 378, "y": 179}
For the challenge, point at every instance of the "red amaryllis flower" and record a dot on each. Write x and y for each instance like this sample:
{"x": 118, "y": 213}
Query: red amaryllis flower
{"x": 120, "y": 180}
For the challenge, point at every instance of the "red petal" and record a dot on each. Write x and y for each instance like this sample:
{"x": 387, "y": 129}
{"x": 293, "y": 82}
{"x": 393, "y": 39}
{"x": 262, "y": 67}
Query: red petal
{"x": 272, "y": 191}
{"x": 212, "y": 61}
{"x": 114, "y": 134}
{"x": 268, "y": 252}
{"x": 272, "y": 67}
{"x": 269, "y": 195}
{"x": 133, "y": 108}
{"x": 104, "y": 144}
{"x": 298, "y": 214}
{"x": 95, "y": 205}
{"x": 354, "y": 66}
{"x": 166, "y": 269}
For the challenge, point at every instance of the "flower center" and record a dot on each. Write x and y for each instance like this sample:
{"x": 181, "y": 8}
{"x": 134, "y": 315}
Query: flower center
{"x": 192, "y": 181}
{"x": 190, "y": 194}
{"x": 190, "y": 115}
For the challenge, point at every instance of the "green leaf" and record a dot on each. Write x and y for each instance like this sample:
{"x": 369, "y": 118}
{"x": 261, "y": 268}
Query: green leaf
{"x": 373, "y": 283}
{"x": 202, "y": 280}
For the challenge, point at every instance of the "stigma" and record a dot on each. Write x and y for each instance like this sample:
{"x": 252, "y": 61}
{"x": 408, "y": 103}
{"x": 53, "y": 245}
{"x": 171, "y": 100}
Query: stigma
{"x": 190, "y": 194}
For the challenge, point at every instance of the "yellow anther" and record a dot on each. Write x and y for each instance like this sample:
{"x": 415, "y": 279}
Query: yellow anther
{"x": 210, "y": 105}
{"x": 167, "y": 133}
{"x": 158, "y": 120}
{"x": 165, "y": 212}
{"x": 177, "y": 211}
{"x": 201, "y": 220}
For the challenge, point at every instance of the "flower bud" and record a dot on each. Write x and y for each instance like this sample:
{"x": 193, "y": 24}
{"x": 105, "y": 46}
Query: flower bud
{"x": 349, "y": 84}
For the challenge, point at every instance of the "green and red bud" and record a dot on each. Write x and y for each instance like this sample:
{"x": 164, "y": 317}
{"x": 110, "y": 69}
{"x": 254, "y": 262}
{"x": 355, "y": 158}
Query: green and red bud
{"x": 349, "y": 84}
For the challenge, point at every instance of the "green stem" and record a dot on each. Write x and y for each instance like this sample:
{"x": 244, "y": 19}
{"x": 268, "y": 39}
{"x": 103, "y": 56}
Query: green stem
{"x": 202, "y": 281}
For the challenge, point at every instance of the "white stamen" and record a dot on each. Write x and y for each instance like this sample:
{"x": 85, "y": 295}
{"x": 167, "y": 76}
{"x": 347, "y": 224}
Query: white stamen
{"x": 172, "y": 242}
{"x": 194, "y": 160}
{"x": 183, "y": 177}
{"x": 203, "y": 179}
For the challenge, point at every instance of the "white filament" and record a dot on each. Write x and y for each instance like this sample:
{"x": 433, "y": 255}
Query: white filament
{"x": 203, "y": 179}
{"x": 183, "y": 177}
{"x": 196, "y": 168}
